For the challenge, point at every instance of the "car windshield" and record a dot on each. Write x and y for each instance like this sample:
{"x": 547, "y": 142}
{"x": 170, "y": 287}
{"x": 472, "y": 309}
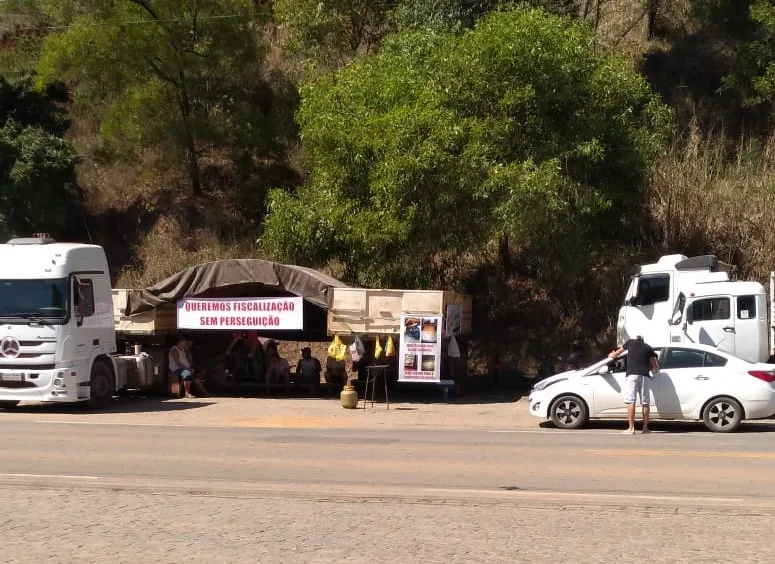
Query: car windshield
{"x": 33, "y": 299}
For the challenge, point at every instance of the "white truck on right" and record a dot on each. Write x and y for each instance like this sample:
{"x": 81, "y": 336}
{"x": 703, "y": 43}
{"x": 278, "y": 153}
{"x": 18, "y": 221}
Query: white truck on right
{"x": 682, "y": 299}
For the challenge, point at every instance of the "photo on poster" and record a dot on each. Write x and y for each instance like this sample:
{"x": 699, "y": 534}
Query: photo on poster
{"x": 410, "y": 362}
{"x": 412, "y": 329}
{"x": 428, "y": 362}
{"x": 430, "y": 330}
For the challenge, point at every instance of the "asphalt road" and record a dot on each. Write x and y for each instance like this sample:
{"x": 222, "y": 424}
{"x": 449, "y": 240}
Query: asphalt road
{"x": 122, "y": 493}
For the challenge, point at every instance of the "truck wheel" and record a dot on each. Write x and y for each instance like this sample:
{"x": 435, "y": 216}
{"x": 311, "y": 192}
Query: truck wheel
{"x": 9, "y": 404}
{"x": 100, "y": 386}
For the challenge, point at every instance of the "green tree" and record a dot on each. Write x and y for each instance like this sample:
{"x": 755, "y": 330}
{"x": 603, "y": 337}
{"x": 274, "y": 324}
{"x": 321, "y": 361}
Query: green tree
{"x": 446, "y": 142}
{"x": 331, "y": 32}
{"x": 177, "y": 75}
{"x": 37, "y": 164}
{"x": 444, "y": 14}
{"x": 754, "y": 74}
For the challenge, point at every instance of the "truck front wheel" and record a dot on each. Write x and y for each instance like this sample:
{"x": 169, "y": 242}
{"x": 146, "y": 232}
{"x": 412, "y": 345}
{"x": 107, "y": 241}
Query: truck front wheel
{"x": 100, "y": 386}
{"x": 8, "y": 404}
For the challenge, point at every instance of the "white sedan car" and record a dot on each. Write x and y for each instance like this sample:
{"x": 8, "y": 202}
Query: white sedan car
{"x": 695, "y": 382}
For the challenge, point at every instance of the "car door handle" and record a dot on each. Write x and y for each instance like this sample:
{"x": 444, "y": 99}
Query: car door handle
{"x": 729, "y": 329}
{"x": 701, "y": 378}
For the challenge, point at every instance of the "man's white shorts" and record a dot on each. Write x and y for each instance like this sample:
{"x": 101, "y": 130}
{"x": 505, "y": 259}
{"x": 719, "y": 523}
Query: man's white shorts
{"x": 636, "y": 386}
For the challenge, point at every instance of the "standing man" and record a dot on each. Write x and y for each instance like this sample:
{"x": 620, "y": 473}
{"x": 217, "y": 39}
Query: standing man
{"x": 640, "y": 359}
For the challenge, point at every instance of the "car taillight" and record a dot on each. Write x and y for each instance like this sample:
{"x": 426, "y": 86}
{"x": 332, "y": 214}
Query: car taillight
{"x": 762, "y": 375}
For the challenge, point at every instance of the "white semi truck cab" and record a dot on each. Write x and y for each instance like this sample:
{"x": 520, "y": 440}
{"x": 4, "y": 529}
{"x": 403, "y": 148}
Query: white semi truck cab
{"x": 731, "y": 316}
{"x": 692, "y": 300}
{"x": 653, "y": 291}
{"x": 57, "y": 332}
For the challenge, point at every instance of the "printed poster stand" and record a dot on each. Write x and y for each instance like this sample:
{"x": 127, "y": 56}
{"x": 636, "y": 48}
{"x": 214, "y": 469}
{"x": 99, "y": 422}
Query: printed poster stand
{"x": 419, "y": 351}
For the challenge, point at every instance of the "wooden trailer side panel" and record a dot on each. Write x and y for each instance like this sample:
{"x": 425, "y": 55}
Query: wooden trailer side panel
{"x": 378, "y": 312}
{"x": 158, "y": 320}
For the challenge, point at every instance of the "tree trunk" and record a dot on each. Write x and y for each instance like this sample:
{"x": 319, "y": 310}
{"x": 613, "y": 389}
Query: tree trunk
{"x": 504, "y": 255}
{"x": 192, "y": 160}
{"x": 652, "y": 8}
{"x": 192, "y": 157}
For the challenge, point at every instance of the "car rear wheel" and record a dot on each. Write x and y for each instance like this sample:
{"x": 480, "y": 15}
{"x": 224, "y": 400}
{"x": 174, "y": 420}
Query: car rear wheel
{"x": 723, "y": 415}
{"x": 8, "y": 404}
{"x": 568, "y": 412}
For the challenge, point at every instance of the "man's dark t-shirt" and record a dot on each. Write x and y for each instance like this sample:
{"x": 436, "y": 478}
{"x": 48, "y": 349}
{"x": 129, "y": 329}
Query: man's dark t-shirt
{"x": 638, "y": 355}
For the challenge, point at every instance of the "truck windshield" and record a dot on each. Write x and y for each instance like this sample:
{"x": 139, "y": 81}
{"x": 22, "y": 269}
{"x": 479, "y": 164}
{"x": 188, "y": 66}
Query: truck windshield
{"x": 34, "y": 299}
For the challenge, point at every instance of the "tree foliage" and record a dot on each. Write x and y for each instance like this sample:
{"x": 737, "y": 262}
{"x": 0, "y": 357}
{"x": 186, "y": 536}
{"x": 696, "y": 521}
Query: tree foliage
{"x": 329, "y": 33}
{"x": 753, "y": 76}
{"x": 37, "y": 164}
{"x": 173, "y": 74}
{"x": 448, "y": 141}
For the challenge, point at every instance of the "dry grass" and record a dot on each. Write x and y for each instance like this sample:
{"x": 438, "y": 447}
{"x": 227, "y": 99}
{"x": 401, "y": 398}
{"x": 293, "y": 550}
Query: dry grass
{"x": 169, "y": 248}
{"x": 709, "y": 194}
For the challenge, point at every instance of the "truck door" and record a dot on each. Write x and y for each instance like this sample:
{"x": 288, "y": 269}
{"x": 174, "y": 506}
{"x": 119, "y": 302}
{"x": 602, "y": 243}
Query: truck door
{"x": 750, "y": 326}
{"x": 84, "y": 332}
{"x": 710, "y": 322}
{"x": 646, "y": 311}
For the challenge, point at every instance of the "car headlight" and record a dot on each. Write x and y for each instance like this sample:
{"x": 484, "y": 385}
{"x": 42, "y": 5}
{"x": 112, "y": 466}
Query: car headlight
{"x": 546, "y": 383}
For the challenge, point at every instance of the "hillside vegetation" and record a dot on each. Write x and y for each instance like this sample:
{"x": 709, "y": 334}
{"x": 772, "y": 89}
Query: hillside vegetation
{"x": 528, "y": 153}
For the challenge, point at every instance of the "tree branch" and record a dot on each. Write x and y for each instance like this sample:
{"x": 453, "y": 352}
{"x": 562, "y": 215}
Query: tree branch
{"x": 145, "y": 5}
{"x": 630, "y": 27}
{"x": 159, "y": 72}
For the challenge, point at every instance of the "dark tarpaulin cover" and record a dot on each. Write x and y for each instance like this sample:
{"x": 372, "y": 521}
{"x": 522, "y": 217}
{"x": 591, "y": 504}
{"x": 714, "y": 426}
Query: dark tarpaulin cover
{"x": 236, "y": 278}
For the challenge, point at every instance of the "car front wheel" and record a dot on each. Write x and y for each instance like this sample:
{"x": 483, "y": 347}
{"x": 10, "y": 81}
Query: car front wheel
{"x": 723, "y": 415}
{"x": 568, "y": 412}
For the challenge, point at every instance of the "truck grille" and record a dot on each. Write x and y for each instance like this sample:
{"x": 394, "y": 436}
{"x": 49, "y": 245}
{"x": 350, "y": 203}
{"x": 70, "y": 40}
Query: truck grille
{"x": 24, "y": 384}
{"x": 17, "y": 366}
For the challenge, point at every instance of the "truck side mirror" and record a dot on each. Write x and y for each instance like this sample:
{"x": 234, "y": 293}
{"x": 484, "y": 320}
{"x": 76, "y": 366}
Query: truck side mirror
{"x": 77, "y": 302}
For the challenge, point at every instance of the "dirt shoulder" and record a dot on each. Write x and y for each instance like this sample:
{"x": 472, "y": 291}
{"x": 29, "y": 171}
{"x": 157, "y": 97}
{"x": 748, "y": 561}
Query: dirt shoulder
{"x": 485, "y": 412}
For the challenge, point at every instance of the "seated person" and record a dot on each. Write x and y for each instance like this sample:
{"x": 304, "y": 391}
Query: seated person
{"x": 247, "y": 355}
{"x": 180, "y": 364}
{"x": 308, "y": 369}
{"x": 278, "y": 370}
{"x": 336, "y": 371}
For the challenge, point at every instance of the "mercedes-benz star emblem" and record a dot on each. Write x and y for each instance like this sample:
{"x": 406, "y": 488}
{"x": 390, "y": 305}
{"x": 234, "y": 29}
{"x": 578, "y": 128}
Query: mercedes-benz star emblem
{"x": 9, "y": 347}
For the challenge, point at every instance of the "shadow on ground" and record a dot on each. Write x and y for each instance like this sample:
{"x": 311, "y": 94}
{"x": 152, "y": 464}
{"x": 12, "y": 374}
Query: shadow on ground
{"x": 763, "y": 426}
{"x": 431, "y": 393}
{"x": 120, "y": 405}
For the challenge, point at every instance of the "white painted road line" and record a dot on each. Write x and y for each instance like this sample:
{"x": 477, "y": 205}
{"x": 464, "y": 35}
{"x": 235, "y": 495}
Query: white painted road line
{"x": 609, "y": 433}
{"x": 365, "y": 491}
{"x": 123, "y": 424}
{"x": 49, "y": 476}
